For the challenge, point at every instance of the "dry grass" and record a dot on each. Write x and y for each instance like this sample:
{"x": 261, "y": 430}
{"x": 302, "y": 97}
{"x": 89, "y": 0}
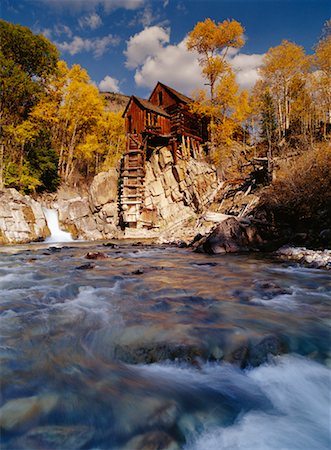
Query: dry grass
{"x": 302, "y": 191}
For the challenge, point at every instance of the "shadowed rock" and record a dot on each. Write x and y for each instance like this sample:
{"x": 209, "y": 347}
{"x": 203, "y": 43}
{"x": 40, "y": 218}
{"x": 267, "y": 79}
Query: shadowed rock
{"x": 230, "y": 236}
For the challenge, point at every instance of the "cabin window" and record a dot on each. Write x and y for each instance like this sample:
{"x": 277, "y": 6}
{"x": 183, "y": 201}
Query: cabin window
{"x": 160, "y": 95}
{"x": 154, "y": 120}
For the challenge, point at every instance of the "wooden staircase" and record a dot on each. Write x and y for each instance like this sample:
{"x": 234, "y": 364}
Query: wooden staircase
{"x": 132, "y": 181}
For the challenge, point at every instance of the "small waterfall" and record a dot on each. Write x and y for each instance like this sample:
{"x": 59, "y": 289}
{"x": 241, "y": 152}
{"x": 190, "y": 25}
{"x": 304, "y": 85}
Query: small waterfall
{"x": 57, "y": 235}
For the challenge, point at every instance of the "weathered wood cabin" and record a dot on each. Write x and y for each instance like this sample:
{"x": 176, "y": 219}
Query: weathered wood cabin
{"x": 163, "y": 120}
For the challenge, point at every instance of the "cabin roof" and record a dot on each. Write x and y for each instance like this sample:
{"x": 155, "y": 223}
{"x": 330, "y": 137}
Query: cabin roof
{"x": 145, "y": 104}
{"x": 179, "y": 96}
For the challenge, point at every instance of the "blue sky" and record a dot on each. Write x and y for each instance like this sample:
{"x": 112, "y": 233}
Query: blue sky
{"x": 128, "y": 45}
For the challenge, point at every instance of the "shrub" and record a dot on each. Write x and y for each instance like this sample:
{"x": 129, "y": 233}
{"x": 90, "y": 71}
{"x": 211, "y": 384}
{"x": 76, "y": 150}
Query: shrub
{"x": 301, "y": 194}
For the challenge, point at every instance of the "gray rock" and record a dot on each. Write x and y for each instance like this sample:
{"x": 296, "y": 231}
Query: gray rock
{"x": 20, "y": 413}
{"x": 54, "y": 437}
{"x": 165, "y": 157}
{"x": 21, "y": 218}
{"x": 153, "y": 440}
{"x": 230, "y": 236}
{"x": 104, "y": 189}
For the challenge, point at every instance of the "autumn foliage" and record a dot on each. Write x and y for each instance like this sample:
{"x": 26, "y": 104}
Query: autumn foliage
{"x": 55, "y": 127}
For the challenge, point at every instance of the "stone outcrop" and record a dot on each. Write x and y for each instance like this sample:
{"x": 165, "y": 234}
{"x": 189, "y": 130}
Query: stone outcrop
{"x": 230, "y": 236}
{"x": 174, "y": 191}
{"x": 93, "y": 216}
{"x": 21, "y": 218}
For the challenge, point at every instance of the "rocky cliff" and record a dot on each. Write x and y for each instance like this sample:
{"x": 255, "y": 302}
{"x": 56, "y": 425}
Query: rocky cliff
{"x": 21, "y": 218}
{"x": 174, "y": 192}
{"x": 91, "y": 216}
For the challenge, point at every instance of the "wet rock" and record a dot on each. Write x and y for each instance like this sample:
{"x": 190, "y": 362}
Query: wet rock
{"x": 87, "y": 266}
{"x": 110, "y": 245}
{"x": 96, "y": 255}
{"x": 165, "y": 416}
{"x": 313, "y": 258}
{"x": 143, "y": 270}
{"x": 259, "y": 353}
{"x": 20, "y": 413}
{"x": 230, "y": 236}
{"x": 269, "y": 289}
{"x": 54, "y": 249}
{"x": 159, "y": 351}
{"x": 54, "y": 438}
{"x": 138, "y": 272}
{"x": 153, "y": 440}
{"x": 209, "y": 264}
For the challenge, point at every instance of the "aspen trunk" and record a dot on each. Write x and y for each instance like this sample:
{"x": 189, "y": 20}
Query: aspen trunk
{"x": 71, "y": 154}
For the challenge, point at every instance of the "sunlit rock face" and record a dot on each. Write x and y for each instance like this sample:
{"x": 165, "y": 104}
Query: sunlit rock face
{"x": 174, "y": 191}
{"x": 92, "y": 216}
{"x": 21, "y": 218}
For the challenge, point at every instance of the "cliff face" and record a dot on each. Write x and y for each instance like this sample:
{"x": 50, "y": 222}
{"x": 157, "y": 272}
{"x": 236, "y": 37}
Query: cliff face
{"x": 176, "y": 191}
{"x": 93, "y": 216}
{"x": 115, "y": 102}
{"x": 21, "y": 218}
{"x": 173, "y": 193}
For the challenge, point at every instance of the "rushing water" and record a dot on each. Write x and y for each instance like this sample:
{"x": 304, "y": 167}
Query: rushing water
{"x": 161, "y": 348}
{"x": 57, "y": 235}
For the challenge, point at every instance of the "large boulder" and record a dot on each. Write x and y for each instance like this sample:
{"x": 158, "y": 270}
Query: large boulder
{"x": 21, "y": 218}
{"x": 230, "y": 236}
{"x": 103, "y": 189}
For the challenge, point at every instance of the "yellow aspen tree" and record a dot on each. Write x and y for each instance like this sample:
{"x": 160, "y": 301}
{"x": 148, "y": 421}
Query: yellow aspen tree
{"x": 282, "y": 66}
{"x": 322, "y": 62}
{"x": 212, "y": 42}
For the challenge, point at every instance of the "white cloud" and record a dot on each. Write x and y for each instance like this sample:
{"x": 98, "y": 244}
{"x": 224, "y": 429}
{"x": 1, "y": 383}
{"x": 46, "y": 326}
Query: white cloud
{"x": 92, "y": 21}
{"x": 47, "y": 32}
{"x": 154, "y": 59}
{"x": 246, "y": 68}
{"x": 174, "y": 66}
{"x": 109, "y": 84}
{"x": 98, "y": 46}
{"x": 57, "y": 30}
{"x": 61, "y": 29}
{"x": 147, "y": 43}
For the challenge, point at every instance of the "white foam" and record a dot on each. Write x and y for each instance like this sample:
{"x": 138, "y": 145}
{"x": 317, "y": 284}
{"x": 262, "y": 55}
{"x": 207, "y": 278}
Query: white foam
{"x": 299, "y": 390}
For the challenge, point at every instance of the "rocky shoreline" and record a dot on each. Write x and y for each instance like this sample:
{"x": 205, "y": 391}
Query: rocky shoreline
{"x": 312, "y": 258}
{"x": 93, "y": 215}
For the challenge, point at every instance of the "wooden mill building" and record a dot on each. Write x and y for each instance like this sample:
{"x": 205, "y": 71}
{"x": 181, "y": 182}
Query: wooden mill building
{"x": 164, "y": 119}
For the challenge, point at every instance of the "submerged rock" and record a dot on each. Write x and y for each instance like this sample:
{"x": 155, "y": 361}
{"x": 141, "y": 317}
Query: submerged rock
{"x": 20, "y": 413}
{"x": 87, "y": 266}
{"x": 96, "y": 255}
{"x": 54, "y": 438}
{"x": 153, "y": 440}
{"x": 259, "y": 352}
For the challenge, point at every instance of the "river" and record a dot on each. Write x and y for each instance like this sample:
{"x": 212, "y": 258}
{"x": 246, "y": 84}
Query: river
{"x": 160, "y": 348}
